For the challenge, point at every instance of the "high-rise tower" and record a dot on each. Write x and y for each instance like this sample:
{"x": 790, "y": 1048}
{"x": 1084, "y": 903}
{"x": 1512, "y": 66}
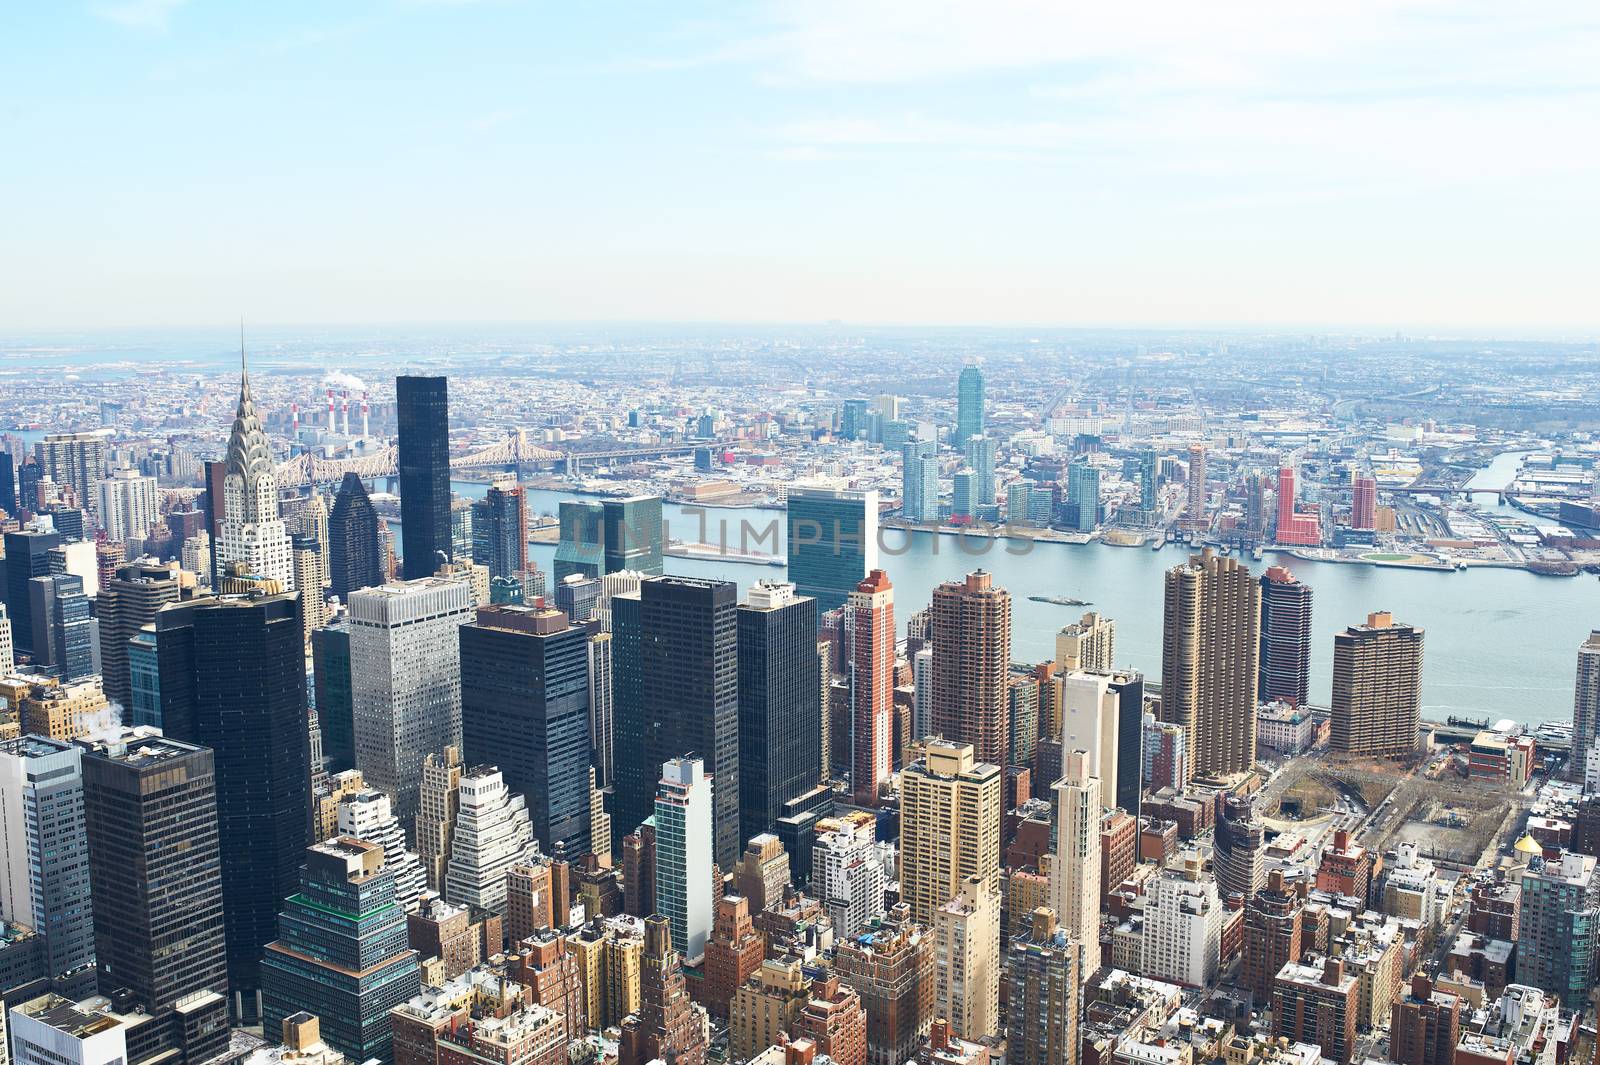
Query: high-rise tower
{"x": 1586, "y": 706}
{"x": 971, "y": 662}
{"x": 780, "y": 748}
{"x": 253, "y": 534}
{"x": 970, "y": 414}
{"x": 949, "y": 825}
{"x": 832, "y": 542}
{"x": 1209, "y": 661}
{"x": 1377, "y": 688}
{"x": 422, "y": 415}
{"x": 1285, "y": 670}
{"x": 1075, "y": 873}
{"x": 354, "y": 558}
{"x": 869, "y": 652}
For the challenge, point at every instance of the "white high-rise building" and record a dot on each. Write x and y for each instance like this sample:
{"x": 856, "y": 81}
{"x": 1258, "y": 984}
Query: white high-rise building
{"x": 848, "y": 877}
{"x": 367, "y": 815}
{"x": 922, "y": 693}
{"x": 622, "y": 582}
{"x": 196, "y": 557}
{"x": 1586, "y": 708}
{"x": 1089, "y": 644}
{"x": 253, "y": 533}
{"x": 602, "y": 708}
{"x": 1182, "y": 939}
{"x": 405, "y": 679}
{"x": 492, "y": 833}
{"x": 1075, "y": 872}
{"x": 51, "y": 1030}
{"x": 8, "y": 662}
{"x": 683, "y": 854}
{"x": 127, "y": 504}
{"x": 1089, "y": 723}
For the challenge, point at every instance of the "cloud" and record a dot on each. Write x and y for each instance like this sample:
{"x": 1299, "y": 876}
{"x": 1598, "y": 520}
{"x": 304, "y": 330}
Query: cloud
{"x": 140, "y": 14}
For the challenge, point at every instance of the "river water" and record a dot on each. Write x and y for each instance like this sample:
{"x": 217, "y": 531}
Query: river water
{"x": 1500, "y": 643}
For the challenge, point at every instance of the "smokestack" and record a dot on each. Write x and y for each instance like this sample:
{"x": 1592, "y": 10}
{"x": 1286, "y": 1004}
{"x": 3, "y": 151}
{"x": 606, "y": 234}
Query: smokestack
{"x": 366, "y": 413}
{"x": 333, "y": 426}
{"x": 345, "y": 411}
{"x": 294, "y": 415}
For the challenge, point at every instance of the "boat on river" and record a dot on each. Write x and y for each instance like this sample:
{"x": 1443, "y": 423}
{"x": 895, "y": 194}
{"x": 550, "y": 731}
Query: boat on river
{"x": 1058, "y": 600}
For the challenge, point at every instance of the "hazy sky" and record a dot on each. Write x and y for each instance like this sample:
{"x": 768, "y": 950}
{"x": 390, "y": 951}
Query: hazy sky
{"x": 1160, "y": 162}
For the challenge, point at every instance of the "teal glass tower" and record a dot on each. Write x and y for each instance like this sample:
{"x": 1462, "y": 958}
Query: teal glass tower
{"x": 969, "y": 405}
{"x": 582, "y": 549}
{"x": 342, "y": 952}
{"x": 832, "y": 542}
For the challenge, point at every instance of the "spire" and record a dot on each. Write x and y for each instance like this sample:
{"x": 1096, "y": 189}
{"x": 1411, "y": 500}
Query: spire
{"x": 249, "y": 454}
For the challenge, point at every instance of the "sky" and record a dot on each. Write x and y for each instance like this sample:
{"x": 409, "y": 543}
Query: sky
{"x": 1407, "y": 163}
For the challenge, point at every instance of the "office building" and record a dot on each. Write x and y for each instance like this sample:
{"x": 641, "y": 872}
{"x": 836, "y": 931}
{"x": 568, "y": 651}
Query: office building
{"x": 966, "y": 951}
{"x": 127, "y": 504}
{"x": 602, "y": 711}
{"x": 1090, "y": 722}
{"x": 970, "y": 414}
{"x": 1209, "y": 660}
{"x": 690, "y": 667}
{"x": 582, "y": 547}
{"x": 341, "y": 952}
{"x": 949, "y": 825}
{"x": 309, "y": 565}
{"x": 249, "y": 706}
{"x": 832, "y": 539}
{"x": 525, "y": 707}
{"x": 1183, "y": 919}
{"x": 1586, "y": 707}
{"x": 1128, "y": 689}
{"x": 330, "y": 658}
{"x": 490, "y": 834}
{"x": 369, "y": 815}
{"x": 1425, "y": 1025}
{"x": 1285, "y": 671}
{"x": 1559, "y": 926}
{"x": 891, "y": 966}
{"x": 128, "y": 601}
{"x": 46, "y": 880}
{"x": 971, "y": 663}
{"x": 74, "y": 460}
{"x": 1042, "y": 994}
{"x": 1318, "y": 1004}
{"x": 635, "y": 782}
{"x": 980, "y": 460}
{"x": 8, "y": 486}
{"x": 1377, "y": 688}
{"x": 1088, "y": 644}
{"x": 405, "y": 670}
{"x": 252, "y": 535}
{"x": 964, "y": 493}
{"x": 354, "y": 558}
{"x": 150, "y": 817}
{"x": 63, "y": 630}
{"x": 869, "y": 636}
{"x": 779, "y": 744}
{"x": 919, "y": 482}
{"x": 1083, "y": 496}
{"x": 438, "y": 802}
{"x": 1075, "y": 872}
{"x": 667, "y": 1025}
{"x": 52, "y": 1030}
{"x": 1239, "y": 850}
{"x": 422, "y": 416}
{"x": 500, "y": 530}
{"x": 27, "y": 556}
{"x": 632, "y": 529}
{"x": 1149, "y": 499}
{"x": 684, "y": 853}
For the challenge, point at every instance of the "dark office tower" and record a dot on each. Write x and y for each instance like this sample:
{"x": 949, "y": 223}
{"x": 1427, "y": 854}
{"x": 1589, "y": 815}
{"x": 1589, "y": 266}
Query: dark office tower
{"x": 1285, "y": 638}
{"x": 330, "y": 665}
{"x": 525, "y": 708}
{"x": 8, "y": 485}
{"x": 780, "y": 746}
{"x": 422, "y": 413}
{"x": 690, "y": 661}
{"x": 250, "y": 709}
{"x": 635, "y": 784}
{"x": 633, "y": 534}
{"x": 1239, "y": 850}
{"x": 62, "y": 627}
{"x": 342, "y": 952}
{"x": 27, "y": 557}
{"x": 832, "y": 542}
{"x": 1209, "y": 660}
{"x": 970, "y": 419}
{"x": 355, "y": 560}
{"x": 1129, "y": 687}
{"x": 128, "y": 602}
{"x": 174, "y": 673}
{"x": 971, "y": 664}
{"x": 150, "y": 806}
{"x": 71, "y": 522}
{"x": 500, "y": 530}
{"x": 1377, "y": 688}
{"x": 582, "y": 549}
{"x": 578, "y": 597}
{"x": 216, "y": 479}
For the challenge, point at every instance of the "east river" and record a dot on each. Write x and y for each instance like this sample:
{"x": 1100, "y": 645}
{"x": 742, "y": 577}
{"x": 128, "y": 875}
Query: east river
{"x": 1501, "y": 643}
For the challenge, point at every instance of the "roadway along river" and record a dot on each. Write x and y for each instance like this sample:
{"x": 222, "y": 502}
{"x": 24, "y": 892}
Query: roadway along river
{"x": 1500, "y": 643}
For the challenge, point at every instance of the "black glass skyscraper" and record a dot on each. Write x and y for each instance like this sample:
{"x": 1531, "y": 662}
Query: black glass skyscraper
{"x": 780, "y": 735}
{"x": 500, "y": 530}
{"x": 150, "y": 806}
{"x": 27, "y": 557}
{"x": 635, "y": 783}
{"x": 690, "y": 661}
{"x": 8, "y": 484}
{"x": 422, "y": 411}
{"x": 355, "y": 560}
{"x": 633, "y": 534}
{"x": 330, "y": 664}
{"x": 250, "y": 709}
{"x": 525, "y": 709}
{"x": 1130, "y": 741}
{"x": 1285, "y": 671}
{"x": 63, "y": 633}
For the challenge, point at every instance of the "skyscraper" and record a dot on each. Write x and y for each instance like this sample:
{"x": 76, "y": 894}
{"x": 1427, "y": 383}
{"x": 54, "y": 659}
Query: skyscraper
{"x": 1090, "y": 722}
{"x": 602, "y": 710}
{"x": 1209, "y": 662}
{"x": 869, "y": 653}
{"x": 980, "y": 459}
{"x": 1088, "y": 644}
{"x": 1128, "y": 687}
{"x": 249, "y": 700}
{"x": 46, "y": 880}
{"x": 27, "y": 556}
{"x": 252, "y": 535}
{"x": 150, "y": 811}
{"x": 1042, "y": 970}
{"x": 8, "y": 662}
{"x": 405, "y": 673}
{"x": 330, "y": 666}
{"x": 76, "y": 460}
{"x": 1285, "y": 671}
{"x": 1239, "y": 850}
{"x": 779, "y": 744}
{"x": 354, "y": 559}
{"x": 667, "y": 1026}
{"x": 949, "y": 825}
{"x": 919, "y": 481}
{"x": 489, "y": 835}
{"x": 369, "y": 815}
{"x": 1295, "y": 526}
{"x": 341, "y": 953}
{"x": 62, "y": 626}
{"x": 309, "y": 566}
{"x": 582, "y": 548}
{"x": 422, "y": 416}
{"x": 1182, "y": 939}
{"x": 439, "y": 799}
{"x": 1075, "y": 873}
{"x": 690, "y": 664}
{"x": 1363, "y": 502}
{"x": 128, "y": 602}
{"x": 127, "y": 504}
{"x": 635, "y": 783}
{"x": 1377, "y": 688}
{"x": 525, "y": 707}
{"x": 1559, "y": 926}
{"x": 632, "y": 528}
{"x": 832, "y": 542}
{"x": 8, "y": 485}
{"x": 500, "y": 530}
{"x": 970, "y": 415}
{"x": 1149, "y": 500}
{"x": 683, "y": 852}
{"x": 971, "y": 660}
{"x": 1194, "y": 513}
{"x": 892, "y": 968}
{"x": 1586, "y": 706}
{"x": 966, "y": 951}
{"x": 1083, "y": 496}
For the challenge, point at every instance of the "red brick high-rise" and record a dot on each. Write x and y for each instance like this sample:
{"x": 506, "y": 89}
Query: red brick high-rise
{"x": 971, "y": 664}
{"x": 835, "y": 1021}
{"x": 1424, "y": 1026}
{"x": 1364, "y": 503}
{"x": 666, "y": 1025}
{"x": 869, "y": 646}
{"x": 1295, "y": 526}
{"x": 733, "y": 953}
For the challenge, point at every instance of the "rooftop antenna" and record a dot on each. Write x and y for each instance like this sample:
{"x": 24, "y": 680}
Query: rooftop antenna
{"x": 244, "y": 370}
